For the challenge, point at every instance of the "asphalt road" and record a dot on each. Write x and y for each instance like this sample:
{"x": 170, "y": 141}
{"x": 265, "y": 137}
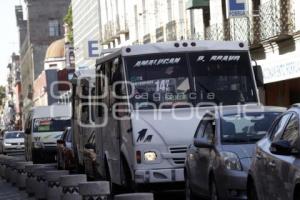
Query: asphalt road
{"x": 9, "y": 192}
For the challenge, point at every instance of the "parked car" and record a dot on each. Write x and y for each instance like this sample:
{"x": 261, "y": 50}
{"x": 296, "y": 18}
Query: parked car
{"x": 65, "y": 155}
{"x": 275, "y": 170}
{"x": 218, "y": 161}
{"x": 12, "y": 142}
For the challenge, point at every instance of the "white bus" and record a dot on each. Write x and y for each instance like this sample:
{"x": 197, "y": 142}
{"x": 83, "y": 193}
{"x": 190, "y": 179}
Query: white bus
{"x": 165, "y": 84}
{"x": 83, "y": 89}
{"x": 43, "y": 127}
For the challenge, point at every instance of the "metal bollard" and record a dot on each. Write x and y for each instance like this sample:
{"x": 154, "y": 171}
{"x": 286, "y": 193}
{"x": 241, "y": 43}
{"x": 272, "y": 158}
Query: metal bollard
{"x": 14, "y": 171}
{"x": 5, "y": 168}
{"x": 54, "y": 189}
{"x": 135, "y": 196}
{"x": 8, "y": 170}
{"x": 94, "y": 190}
{"x": 2, "y": 165}
{"x": 21, "y": 174}
{"x": 39, "y": 183}
{"x": 70, "y": 187}
{"x": 30, "y": 178}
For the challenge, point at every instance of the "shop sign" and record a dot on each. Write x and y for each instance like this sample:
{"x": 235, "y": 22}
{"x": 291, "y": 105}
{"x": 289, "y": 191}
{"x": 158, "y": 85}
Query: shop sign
{"x": 92, "y": 49}
{"x": 286, "y": 68}
{"x": 236, "y": 8}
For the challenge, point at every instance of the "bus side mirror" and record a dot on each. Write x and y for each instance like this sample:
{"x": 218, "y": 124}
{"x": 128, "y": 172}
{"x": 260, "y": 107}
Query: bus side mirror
{"x": 258, "y": 75}
{"x": 27, "y": 131}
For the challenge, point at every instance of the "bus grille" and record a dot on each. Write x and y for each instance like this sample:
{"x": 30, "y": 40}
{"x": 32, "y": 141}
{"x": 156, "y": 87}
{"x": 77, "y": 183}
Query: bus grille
{"x": 179, "y": 150}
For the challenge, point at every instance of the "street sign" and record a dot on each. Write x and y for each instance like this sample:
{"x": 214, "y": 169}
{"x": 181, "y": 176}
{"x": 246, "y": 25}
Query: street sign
{"x": 92, "y": 49}
{"x": 236, "y": 8}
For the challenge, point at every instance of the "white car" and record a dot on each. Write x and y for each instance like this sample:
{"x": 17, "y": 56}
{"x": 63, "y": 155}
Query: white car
{"x": 12, "y": 142}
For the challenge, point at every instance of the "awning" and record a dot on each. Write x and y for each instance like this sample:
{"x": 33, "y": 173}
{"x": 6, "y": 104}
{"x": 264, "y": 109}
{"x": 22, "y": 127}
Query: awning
{"x": 194, "y": 4}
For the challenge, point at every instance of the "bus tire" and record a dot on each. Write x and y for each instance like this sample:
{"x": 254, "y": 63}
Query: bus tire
{"x": 129, "y": 183}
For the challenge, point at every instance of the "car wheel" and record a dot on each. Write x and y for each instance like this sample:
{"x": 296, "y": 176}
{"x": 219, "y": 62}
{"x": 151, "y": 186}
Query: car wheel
{"x": 188, "y": 191}
{"x": 213, "y": 190}
{"x": 252, "y": 194}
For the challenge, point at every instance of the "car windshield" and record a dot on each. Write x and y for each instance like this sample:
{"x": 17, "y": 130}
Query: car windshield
{"x": 51, "y": 124}
{"x": 246, "y": 128}
{"x": 14, "y": 135}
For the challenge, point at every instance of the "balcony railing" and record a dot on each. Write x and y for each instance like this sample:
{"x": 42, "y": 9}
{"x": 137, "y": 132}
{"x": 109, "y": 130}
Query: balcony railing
{"x": 277, "y": 18}
{"x": 274, "y": 20}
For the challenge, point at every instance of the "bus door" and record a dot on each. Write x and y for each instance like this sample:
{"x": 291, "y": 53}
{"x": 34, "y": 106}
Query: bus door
{"x": 111, "y": 132}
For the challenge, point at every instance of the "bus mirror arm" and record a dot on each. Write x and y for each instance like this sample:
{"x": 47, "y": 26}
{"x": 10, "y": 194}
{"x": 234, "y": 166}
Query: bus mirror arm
{"x": 258, "y": 73}
{"x": 27, "y": 131}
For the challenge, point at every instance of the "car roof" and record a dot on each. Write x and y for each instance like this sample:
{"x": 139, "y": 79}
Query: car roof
{"x": 250, "y": 108}
{"x": 13, "y": 131}
{"x": 295, "y": 108}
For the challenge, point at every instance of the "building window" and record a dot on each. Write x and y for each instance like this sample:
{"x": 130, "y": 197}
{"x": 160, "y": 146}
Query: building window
{"x": 54, "y": 28}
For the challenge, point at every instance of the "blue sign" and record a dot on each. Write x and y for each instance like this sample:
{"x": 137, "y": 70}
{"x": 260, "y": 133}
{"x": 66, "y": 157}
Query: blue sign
{"x": 93, "y": 49}
{"x": 237, "y": 8}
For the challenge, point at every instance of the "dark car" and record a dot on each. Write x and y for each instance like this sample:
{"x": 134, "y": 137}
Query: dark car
{"x": 65, "y": 154}
{"x": 275, "y": 170}
{"x": 217, "y": 163}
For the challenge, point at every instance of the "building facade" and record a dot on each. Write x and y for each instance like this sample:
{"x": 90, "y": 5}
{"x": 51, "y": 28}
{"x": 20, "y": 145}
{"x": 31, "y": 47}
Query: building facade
{"x": 12, "y": 105}
{"x": 271, "y": 28}
{"x": 37, "y": 32}
{"x": 120, "y": 22}
{"x": 53, "y": 81}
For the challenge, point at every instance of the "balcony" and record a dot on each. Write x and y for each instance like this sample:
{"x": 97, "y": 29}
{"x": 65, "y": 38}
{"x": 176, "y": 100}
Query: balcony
{"x": 171, "y": 31}
{"x": 273, "y": 21}
{"x": 277, "y": 20}
{"x": 195, "y": 4}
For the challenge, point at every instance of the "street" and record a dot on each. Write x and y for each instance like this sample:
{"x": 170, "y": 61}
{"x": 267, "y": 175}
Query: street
{"x": 8, "y": 192}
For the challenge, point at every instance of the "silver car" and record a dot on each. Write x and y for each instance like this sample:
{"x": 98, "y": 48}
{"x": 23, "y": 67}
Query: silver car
{"x": 12, "y": 142}
{"x": 218, "y": 161}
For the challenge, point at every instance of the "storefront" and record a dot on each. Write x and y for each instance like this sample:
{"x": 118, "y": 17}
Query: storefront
{"x": 282, "y": 79}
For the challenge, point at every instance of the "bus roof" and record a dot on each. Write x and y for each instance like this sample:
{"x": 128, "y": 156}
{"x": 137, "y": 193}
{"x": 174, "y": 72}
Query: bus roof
{"x": 52, "y": 111}
{"x": 176, "y": 46}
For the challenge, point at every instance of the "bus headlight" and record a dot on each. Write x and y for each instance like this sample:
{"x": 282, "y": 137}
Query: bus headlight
{"x": 150, "y": 156}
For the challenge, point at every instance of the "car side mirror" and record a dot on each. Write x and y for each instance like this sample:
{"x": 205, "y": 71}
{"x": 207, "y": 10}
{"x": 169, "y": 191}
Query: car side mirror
{"x": 60, "y": 142}
{"x": 90, "y": 146}
{"x": 283, "y": 147}
{"x": 258, "y": 73}
{"x": 202, "y": 143}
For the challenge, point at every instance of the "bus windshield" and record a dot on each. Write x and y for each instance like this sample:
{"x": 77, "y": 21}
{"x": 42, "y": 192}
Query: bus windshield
{"x": 158, "y": 79}
{"x": 222, "y": 78}
{"x": 51, "y": 124}
{"x": 197, "y": 78}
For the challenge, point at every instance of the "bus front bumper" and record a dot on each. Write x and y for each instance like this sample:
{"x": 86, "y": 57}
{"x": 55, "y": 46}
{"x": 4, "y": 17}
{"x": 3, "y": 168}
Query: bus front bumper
{"x": 159, "y": 176}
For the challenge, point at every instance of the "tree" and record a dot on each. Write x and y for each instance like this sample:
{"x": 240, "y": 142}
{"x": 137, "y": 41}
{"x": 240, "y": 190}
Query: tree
{"x": 69, "y": 21}
{"x": 2, "y": 94}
